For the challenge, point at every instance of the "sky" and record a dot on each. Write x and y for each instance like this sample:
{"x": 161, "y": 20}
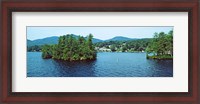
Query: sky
{"x": 103, "y": 33}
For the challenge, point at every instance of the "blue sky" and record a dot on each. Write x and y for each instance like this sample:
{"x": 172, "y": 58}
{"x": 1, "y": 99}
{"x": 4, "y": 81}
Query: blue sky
{"x": 102, "y": 33}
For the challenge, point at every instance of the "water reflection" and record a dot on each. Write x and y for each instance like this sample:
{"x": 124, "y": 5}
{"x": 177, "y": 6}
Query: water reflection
{"x": 74, "y": 69}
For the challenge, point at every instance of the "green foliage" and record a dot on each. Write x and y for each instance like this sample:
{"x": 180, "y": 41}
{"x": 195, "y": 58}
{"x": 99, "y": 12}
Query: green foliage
{"x": 47, "y": 51}
{"x": 113, "y": 47}
{"x": 161, "y": 46}
{"x": 160, "y": 57}
{"x": 71, "y": 49}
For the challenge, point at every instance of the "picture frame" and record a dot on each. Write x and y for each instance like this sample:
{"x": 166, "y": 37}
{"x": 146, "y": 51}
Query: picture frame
{"x": 190, "y": 6}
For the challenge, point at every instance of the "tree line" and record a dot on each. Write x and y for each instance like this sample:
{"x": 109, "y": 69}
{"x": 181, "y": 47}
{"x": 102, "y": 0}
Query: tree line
{"x": 137, "y": 45}
{"x": 35, "y": 48}
{"x": 70, "y": 48}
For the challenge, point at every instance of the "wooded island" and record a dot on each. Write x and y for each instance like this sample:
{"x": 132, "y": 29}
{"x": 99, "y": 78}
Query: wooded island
{"x": 71, "y": 49}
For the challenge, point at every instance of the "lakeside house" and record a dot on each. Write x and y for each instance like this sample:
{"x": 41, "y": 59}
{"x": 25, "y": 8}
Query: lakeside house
{"x": 103, "y": 49}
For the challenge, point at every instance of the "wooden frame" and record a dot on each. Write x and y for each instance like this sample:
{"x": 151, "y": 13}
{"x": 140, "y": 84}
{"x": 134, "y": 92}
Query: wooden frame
{"x": 190, "y": 6}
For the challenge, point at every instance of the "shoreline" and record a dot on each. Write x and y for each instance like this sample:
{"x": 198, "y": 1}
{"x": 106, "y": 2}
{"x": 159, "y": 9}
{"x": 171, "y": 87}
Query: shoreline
{"x": 160, "y": 57}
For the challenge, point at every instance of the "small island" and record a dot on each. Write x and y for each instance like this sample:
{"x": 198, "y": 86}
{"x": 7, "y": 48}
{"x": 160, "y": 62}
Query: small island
{"x": 70, "y": 48}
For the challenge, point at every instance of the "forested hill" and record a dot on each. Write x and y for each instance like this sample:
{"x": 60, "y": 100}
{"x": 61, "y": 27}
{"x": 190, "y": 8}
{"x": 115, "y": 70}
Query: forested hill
{"x": 39, "y": 42}
{"x": 101, "y": 45}
{"x": 52, "y": 40}
{"x": 119, "y": 38}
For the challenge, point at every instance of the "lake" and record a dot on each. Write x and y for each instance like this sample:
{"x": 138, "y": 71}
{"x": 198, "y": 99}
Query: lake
{"x": 107, "y": 64}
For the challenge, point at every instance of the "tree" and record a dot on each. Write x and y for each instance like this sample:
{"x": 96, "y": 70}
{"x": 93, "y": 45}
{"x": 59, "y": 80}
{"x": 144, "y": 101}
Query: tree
{"x": 112, "y": 47}
{"x": 89, "y": 41}
{"x": 170, "y": 39}
{"x": 124, "y": 48}
{"x": 46, "y": 51}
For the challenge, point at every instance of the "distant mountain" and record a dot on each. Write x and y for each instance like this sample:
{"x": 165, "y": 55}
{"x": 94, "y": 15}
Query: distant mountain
{"x": 119, "y": 38}
{"x": 48, "y": 40}
{"x": 94, "y": 40}
{"x": 52, "y": 40}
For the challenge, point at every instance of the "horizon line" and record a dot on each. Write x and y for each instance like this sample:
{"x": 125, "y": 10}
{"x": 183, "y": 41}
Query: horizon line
{"x": 85, "y": 36}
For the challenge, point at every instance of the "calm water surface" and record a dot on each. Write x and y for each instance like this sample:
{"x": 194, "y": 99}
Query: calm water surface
{"x": 106, "y": 65}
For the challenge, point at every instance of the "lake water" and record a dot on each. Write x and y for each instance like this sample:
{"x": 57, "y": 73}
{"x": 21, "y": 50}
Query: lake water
{"x": 106, "y": 65}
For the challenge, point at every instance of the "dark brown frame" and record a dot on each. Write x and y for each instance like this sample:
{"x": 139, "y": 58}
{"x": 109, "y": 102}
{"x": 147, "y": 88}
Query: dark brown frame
{"x": 190, "y": 6}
